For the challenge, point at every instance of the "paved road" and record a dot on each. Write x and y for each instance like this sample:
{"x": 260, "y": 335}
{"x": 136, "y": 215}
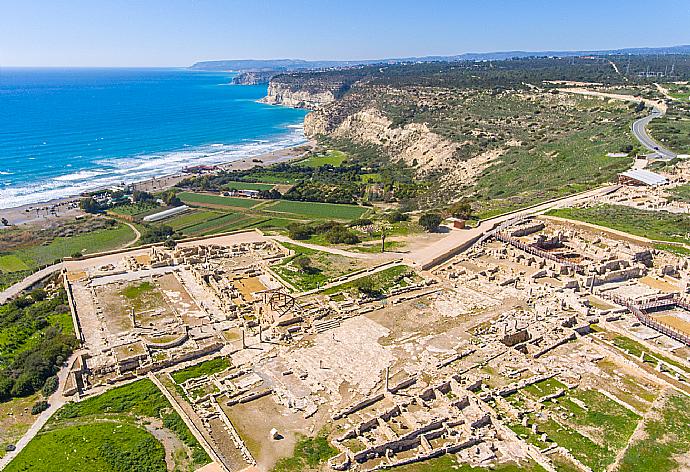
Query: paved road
{"x": 32, "y": 279}
{"x": 639, "y": 129}
{"x": 459, "y": 239}
{"x": 639, "y": 126}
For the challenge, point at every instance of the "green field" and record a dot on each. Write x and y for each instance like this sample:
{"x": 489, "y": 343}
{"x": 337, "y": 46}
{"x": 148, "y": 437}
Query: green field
{"x": 33, "y": 257}
{"x": 679, "y": 92}
{"x": 104, "y": 447}
{"x": 191, "y": 218}
{"x": 680, "y": 193}
{"x": 201, "y": 199}
{"x": 208, "y": 367}
{"x": 593, "y": 435}
{"x": 111, "y": 432}
{"x": 135, "y": 209}
{"x": 239, "y": 185}
{"x": 380, "y": 282}
{"x": 333, "y": 158}
{"x": 317, "y": 210}
{"x": 323, "y": 267}
{"x": 666, "y": 440}
{"x": 309, "y": 454}
{"x": 658, "y": 225}
{"x": 12, "y": 263}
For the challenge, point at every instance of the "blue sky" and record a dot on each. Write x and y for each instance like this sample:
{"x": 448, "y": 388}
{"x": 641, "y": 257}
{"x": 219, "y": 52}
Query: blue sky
{"x": 179, "y": 32}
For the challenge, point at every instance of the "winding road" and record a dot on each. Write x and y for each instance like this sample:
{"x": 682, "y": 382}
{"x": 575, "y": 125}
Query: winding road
{"x": 639, "y": 129}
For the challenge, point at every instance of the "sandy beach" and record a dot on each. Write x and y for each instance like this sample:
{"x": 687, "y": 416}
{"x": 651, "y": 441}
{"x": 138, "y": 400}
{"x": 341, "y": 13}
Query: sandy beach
{"x": 68, "y": 207}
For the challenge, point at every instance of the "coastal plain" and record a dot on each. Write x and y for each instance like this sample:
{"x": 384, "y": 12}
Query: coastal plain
{"x": 471, "y": 266}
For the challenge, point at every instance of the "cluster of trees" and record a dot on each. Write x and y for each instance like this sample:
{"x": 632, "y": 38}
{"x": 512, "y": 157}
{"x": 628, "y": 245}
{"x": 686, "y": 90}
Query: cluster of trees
{"x": 157, "y": 234}
{"x": 91, "y": 205}
{"x": 272, "y": 194}
{"x": 325, "y": 193}
{"x": 333, "y": 232}
{"x": 26, "y": 368}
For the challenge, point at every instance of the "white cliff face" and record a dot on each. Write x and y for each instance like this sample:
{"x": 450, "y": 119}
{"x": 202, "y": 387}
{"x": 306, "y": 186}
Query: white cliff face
{"x": 281, "y": 94}
{"x": 410, "y": 143}
{"x": 415, "y": 144}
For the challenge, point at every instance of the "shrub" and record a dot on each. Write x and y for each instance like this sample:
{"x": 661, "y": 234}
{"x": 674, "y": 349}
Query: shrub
{"x": 50, "y": 386}
{"x": 397, "y": 216}
{"x": 39, "y": 407}
{"x": 430, "y": 221}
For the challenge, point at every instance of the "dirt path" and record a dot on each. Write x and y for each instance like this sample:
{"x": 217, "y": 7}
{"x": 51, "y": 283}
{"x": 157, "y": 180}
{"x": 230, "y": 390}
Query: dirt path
{"x": 137, "y": 234}
{"x": 56, "y": 400}
{"x": 656, "y": 104}
{"x": 331, "y": 250}
{"x": 188, "y": 421}
{"x": 27, "y": 282}
{"x": 639, "y": 433}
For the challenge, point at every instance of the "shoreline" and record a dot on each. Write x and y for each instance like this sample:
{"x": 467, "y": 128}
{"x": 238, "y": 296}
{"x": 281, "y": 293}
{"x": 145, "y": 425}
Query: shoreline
{"x": 68, "y": 205}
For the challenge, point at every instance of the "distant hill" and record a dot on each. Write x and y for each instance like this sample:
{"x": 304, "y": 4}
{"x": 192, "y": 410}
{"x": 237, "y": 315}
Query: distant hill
{"x": 286, "y": 65}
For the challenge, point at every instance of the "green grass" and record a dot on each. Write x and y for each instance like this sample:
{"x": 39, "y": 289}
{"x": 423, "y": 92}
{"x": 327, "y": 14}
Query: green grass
{"x": 680, "y": 193}
{"x": 12, "y": 263}
{"x": 545, "y": 387}
{"x": 202, "y": 199}
{"x": 666, "y": 438}
{"x": 141, "y": 398}
{"x": 678, "y": 250}
{"x": 208, "y": 367}
{"x": 673, "y": 129}
{"x": 104, "y": 447}
{"x": 318, "y": 210}
{"x": 214, "y": 225}
{"x": 309, "y": 453}
{"x": 449, "y": 463}
{"x": 658, "y": 225}
{"x": 95, "y": 241}
{"x": 325, "y": 267}
{"x": 127, "y": 405}
{"x": 333, "y": 158}
{"x": 238, "y": 185}
{"x": 562, "y": 158}
{"x": 380, "y": 281}
{"x": 134, "y": 209}
{"x": 636, "y": 349}
{"x": 179, "y": 223}
{"x": 594, "y": 435}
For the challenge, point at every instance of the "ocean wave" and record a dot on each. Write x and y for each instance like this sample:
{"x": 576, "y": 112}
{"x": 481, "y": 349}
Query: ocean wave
{"x": 111, "y": 172}
{"x": 81, "y": 175}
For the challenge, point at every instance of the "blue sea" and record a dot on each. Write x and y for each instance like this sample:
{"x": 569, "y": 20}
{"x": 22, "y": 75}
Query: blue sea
{"x": 64, "y": 131}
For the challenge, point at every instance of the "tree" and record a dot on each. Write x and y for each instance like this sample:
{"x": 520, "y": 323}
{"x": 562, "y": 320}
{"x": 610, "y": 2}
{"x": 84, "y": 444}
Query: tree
{"x": 299, "y": 231}
{"x": 89, "y": 205}
{"x": 157, "y": 234}
{"x": 39, "y": 406}
{"x": 396, "y": 216}
{"x": 430, "y": 221}
{"x": 50, "y": 386}
{"x": 304, "y": 264}
{"x": 170, "y": 198}
{"x": 461, "y": 210}
{"x": 366, "y": 286}
{"x": 139, "y": 196}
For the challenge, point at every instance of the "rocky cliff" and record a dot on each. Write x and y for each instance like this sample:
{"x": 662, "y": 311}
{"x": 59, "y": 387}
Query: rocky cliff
{"x": 253, "y": 78}
{"x": 291, "y": 96}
